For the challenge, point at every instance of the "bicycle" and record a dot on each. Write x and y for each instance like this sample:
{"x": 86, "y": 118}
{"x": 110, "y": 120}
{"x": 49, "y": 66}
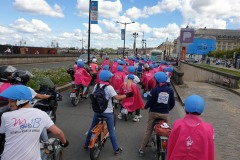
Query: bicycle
{"x": 99, "y": 136}
{"x": 51, "y": 150}
{"x": 160, "y": 138}
{"x": 77, "y": 93}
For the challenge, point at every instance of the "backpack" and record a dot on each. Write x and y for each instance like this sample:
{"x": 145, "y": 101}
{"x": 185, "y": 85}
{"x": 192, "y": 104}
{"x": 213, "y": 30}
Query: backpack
{"x": 99, "y": 100}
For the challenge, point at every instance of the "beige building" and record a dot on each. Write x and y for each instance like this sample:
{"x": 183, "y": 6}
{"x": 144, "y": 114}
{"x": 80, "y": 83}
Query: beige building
{"x": 167, "y": 47}
{"x": 225, "y": 39}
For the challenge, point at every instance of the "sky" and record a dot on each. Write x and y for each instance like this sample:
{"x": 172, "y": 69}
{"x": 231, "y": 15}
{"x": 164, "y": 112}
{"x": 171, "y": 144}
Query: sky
{"x": 40, "y": 23}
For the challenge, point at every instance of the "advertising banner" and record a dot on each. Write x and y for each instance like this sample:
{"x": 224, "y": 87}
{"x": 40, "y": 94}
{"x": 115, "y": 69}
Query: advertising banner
{"x": 201, "y": 46}
{"x": 94, "y": 12}
{"x": 122, "y": 34}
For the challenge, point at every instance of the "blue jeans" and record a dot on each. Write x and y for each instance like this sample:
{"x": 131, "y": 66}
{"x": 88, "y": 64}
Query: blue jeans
{"x": 110, "y": 125}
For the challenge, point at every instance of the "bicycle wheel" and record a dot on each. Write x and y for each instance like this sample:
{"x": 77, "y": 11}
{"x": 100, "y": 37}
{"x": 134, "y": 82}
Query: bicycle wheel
{"x": 59, "y": 155}
{"x": 158, "y": 148}
{"x": 96, "y": 150}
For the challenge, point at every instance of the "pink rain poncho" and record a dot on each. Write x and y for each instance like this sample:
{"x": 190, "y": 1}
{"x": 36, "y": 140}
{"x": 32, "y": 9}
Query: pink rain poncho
{"x": 82, "y": 77}
{"x": 191, "y": 139}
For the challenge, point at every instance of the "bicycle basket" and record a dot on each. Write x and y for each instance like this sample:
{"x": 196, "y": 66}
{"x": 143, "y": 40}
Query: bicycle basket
{"x": 160, "y": 130}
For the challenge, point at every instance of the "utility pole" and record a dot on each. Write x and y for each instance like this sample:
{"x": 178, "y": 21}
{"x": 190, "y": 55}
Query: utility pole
{"x": 125, "y": 23}
{"x": 135, "y": 35}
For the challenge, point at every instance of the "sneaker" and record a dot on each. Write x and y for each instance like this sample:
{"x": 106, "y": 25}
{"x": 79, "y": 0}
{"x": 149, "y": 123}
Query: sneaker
{"x": 118, "y": 151}
{"x": 139, "y": 116}
{"x": 119, "y": 116}
{"x": 136, "y": 119}
{"x": 140, "y": 152}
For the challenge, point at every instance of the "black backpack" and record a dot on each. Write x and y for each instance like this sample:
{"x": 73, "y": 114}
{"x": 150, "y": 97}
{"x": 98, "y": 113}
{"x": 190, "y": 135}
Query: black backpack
{"x": 99, "y": 100}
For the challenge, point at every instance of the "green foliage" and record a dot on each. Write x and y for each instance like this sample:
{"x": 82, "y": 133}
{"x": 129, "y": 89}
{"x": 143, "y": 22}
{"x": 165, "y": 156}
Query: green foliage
{"x": 222, "y": 54}
{"x": 59, "y": 76}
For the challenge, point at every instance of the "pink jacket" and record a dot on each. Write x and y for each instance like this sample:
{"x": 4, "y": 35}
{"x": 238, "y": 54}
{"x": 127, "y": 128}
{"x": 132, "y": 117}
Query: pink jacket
{"x": 191, "y": 139}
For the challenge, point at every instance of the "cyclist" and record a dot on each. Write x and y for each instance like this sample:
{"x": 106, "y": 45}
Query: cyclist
{"x": 132, "y": 103}
{"x": 114, "y": 65}
{"x": 118, "y": 78}
{"x": 82, "y": 77}
{"x": 93, "y": 69}
{"x": 191, "y": 137}
{"x": 5, "y": 77}
{"x": 22, "y": 127}
{"x": 161, "y": 101}
{"x": 106, "y": 61}
{"x": 105, "y": 78}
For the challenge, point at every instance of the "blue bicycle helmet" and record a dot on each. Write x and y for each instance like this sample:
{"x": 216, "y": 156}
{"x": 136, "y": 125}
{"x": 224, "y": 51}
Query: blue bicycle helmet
{"x": 121, "y": 62}
{"x": 194, "y": 104}
{"x": 80, "y": 64}
{"x": 19, "y": 93}
{"x": 131, "y": 69}
{"x": 151, "y": 66}
{"x": 115, "y": 59}
{"x": 105, "y": 67}
{"x": 170, "y": 69}
{"x": 105, "y": 75}
{"x": 119, "y": 68}
{"x": 130, "y": 76}
{"x": 161, "y": 77}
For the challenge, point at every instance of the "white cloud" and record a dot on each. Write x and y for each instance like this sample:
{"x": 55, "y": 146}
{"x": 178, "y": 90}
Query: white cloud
{"x": 135, "y": 13}
{"x": 171, "y": 31}
{"x": 34, "y": 26}
{"x": 40, "y": 7}
{"x": 106, "y": 9}
{"x": 4, "y": 30}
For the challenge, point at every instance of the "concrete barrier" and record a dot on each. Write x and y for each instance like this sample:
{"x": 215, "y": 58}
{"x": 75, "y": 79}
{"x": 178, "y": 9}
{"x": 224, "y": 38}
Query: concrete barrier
{"x": 27, "y": 59}
{"x": 196, "y": 73}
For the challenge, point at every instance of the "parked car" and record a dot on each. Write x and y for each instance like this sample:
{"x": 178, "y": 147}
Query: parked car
{"x": 220, "y": 61}
{"x": 84, "y": 57}
{"x": 191, "y": 60}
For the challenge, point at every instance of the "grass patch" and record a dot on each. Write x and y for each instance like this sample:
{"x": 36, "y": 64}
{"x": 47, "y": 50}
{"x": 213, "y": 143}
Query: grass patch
{"x": 224, "y": 70}
{"x": 59, "y": 77}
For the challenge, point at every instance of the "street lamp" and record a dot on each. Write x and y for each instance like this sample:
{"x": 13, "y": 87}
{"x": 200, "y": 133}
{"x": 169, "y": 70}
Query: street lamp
{"x": 82, "y": 44}
{"x": 125, "y": 23}
{"x": 135, "y": 35}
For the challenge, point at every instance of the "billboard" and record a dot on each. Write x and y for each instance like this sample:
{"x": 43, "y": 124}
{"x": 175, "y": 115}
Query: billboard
{"x": 201, "y": 46}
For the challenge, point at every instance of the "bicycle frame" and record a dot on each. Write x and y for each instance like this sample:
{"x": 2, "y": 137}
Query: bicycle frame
{"x": 99, "y": 129}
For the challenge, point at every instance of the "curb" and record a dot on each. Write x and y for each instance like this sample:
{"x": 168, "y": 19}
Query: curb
{"x": 177, "y": 91}
{"x": 64, "y": 87}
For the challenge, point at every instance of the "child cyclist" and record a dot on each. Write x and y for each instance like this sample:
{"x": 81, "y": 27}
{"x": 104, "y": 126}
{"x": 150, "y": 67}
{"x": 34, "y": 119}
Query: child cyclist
{"x": 191, "y": 137}
{"x": 132, "y": 103}
{"x": 82, "y": 77}
{"x": 160, "y": 102}
{"x": 105, "y": 79}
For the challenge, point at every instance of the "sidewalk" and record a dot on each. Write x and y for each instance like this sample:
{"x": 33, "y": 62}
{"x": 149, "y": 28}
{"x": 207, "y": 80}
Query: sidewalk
{"x": 222, "y": 110}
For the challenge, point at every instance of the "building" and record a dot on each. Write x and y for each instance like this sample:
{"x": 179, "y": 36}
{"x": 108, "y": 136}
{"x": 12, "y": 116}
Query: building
{"x": 225, "y": 39}
{"x": 167, "y": 48}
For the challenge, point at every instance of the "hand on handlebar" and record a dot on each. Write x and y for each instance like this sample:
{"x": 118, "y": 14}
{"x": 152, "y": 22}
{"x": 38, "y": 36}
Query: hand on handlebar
{"x": 64, "y": 144}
